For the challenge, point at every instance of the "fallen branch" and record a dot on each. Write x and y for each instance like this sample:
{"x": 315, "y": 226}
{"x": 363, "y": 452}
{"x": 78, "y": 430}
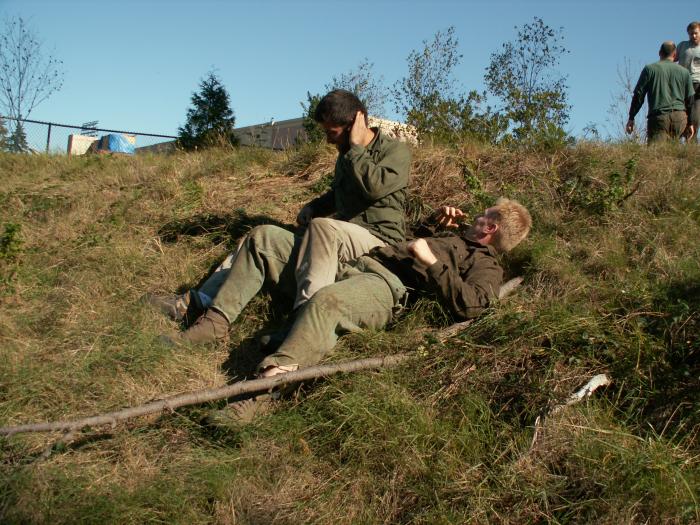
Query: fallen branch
{"x": 586, "y": 391}
{"x": 207, "y": 395}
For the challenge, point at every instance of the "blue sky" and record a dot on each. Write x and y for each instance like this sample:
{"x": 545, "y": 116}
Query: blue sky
{"x": 134, "y": 65}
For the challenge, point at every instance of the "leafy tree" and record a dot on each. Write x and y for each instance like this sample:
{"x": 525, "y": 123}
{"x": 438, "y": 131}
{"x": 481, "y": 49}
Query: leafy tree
{"x": 27, "y": 76}
{"x": 361, "y": 81}
{"x": 314, "y": 133}
{"x": 366, "y": 85}
{"x": 17, "y": 143}
{"x": 210, "y": 121}
{"x": 533, "y": 94}
{"x": 430, "y": 98}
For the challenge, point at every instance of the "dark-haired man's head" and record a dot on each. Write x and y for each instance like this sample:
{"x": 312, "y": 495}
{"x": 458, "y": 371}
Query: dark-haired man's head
{"x": 336, "y": 113}
{"x": 667, "y": 50}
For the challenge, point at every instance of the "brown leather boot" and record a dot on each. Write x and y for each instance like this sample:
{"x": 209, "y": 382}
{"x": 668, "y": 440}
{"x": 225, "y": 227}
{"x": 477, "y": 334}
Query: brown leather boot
{"x": 211, "y": 327}
{"x": 185, "y": 308}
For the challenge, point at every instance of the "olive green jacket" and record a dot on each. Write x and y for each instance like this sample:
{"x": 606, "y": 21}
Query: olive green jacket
{"x": 369, "y": 188}
{"x": 465, "y": 278}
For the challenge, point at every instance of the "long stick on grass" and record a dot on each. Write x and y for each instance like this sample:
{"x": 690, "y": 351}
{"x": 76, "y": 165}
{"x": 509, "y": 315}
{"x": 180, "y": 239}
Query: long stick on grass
{"x": 206, "y": 395}
{"x": 241, "y": 387}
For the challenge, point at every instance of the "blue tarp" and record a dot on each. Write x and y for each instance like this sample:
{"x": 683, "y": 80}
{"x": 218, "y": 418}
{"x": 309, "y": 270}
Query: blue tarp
{"x": 116, "y": 143}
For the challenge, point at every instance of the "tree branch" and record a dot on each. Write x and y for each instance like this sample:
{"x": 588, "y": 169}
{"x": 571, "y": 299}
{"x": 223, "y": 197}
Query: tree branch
{"x": 203, "y": 396}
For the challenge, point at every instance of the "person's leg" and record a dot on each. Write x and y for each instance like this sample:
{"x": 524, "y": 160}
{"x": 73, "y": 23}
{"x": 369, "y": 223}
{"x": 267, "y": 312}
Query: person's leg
{"x": 211, "y": 286}
{"x": 326, "y": 243}
{"x": 266, "y": 256}
{"x": 678, "y": 123}
{"x": 363, "y": 300}
{"x": 657, "y": 128}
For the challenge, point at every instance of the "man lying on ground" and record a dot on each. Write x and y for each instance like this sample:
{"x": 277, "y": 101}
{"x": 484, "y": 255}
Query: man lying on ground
{"x": 459, "y": 268}
{"x": 366, "y": 199}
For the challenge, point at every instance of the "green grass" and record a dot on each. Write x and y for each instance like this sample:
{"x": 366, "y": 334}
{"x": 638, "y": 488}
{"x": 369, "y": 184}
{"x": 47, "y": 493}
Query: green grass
{"x": 611, "y": 285}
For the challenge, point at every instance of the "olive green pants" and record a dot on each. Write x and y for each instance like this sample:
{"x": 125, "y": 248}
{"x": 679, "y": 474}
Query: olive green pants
{"x": 667, "y": 126}
{"x": 364, "y": 296}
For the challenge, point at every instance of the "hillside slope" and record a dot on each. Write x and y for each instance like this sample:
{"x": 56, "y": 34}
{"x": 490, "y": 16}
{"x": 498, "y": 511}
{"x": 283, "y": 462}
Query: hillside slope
{"x": 612, "y": 284}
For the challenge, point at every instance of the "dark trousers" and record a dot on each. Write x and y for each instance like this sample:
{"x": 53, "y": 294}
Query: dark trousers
{"x": 666, "y": 126}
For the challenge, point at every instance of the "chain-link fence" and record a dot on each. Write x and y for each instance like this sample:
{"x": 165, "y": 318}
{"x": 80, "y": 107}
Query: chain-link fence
{"x": 51, "y": 137}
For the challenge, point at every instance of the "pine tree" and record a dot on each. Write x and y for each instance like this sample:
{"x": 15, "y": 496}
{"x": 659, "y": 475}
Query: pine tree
{"x": 3, "y": 136}
{"x": 210, "y": 121}
{"x": 17, "y": 143}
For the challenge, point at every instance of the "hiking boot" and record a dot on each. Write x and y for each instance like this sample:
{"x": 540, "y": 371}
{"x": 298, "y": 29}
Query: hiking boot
{"x": 209, "y": 328}
{"x": 239, "y": 413}
{"x": 185, "y": 308}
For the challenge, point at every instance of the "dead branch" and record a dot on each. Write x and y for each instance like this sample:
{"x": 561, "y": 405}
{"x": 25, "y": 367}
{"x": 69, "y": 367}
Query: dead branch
{"x": 584, "y": 392}
{"x": 204, "y": 396}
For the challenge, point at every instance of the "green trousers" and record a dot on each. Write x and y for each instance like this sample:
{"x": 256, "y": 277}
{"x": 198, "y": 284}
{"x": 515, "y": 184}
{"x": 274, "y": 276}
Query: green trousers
{"x": 364, "y": 295}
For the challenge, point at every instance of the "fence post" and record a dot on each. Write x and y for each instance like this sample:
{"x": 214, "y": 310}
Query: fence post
{"x": 48, "y": 138}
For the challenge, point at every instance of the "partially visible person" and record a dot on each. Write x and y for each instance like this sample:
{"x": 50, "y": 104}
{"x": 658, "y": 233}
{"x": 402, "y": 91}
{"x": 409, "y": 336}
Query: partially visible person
{"x": 688, "y": 56}
{"x": 669, "y": 93}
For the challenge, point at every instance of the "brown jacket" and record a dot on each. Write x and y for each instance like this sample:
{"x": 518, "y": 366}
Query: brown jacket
{"x": 466, "y": 277}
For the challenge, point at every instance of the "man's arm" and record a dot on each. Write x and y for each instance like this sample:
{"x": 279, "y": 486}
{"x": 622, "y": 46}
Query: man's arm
{"x": 640, "y": 91}
{"x": 465, "y": 296}
{"x": 319, "y": 207}
{"x": 377, "y": 179}
{"x": 689, "y": 101}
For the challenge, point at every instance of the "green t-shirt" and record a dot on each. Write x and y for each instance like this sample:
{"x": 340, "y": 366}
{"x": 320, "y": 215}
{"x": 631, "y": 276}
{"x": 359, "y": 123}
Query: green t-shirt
{"x": 667, "y": 87}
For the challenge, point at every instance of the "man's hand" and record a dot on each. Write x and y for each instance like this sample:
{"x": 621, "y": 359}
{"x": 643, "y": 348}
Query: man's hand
{"x": 629, "y": 128}
{"x": 358, "y": 132}
{"x": 305, "y": 215}
{"x": 448, "y": 217}
{"x": 689, "y": 132}
{"x": 421, "y": 251}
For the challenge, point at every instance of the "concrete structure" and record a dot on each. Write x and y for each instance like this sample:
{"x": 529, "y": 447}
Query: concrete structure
{"x": 79, "y": 144}
{"x": 287, "y": 133}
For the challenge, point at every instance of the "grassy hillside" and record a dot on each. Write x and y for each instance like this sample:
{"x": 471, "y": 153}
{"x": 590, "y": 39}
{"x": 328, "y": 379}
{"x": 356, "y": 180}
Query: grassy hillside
{"x": 612, "y": 284}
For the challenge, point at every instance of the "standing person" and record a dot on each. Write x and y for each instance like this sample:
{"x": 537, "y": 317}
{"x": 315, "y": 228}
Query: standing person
{"x": 688, "y": 56}
{"x": 669, "y": 93}
{"x": 367, "y": 198}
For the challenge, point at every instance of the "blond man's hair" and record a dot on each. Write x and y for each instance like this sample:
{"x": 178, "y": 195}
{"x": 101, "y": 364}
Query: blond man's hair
{"x": 514, "y": 223}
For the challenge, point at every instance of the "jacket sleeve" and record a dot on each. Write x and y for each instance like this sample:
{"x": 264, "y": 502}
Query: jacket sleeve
{"x": 379, "y": 179}
{"x": 466, "y": 296}
{"x": 324, "y": 205}
{"x": 640, "y": 90}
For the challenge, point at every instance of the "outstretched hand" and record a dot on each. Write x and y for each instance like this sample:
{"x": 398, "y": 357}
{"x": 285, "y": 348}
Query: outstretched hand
{"x": 449, "y": 217}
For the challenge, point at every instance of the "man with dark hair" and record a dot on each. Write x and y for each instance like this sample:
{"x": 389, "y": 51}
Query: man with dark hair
{"x": 366, "y": 199}
{"x": 669, "y": 92}
{"x": 688, "y": 56}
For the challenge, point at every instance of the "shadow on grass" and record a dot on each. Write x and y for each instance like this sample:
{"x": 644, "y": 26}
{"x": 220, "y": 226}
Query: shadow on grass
{"x": 674, "y": 398}
{"x": 220, "y": 228}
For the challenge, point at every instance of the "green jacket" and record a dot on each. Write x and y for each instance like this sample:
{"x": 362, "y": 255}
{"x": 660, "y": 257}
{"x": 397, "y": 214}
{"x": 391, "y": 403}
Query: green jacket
{"x": 369, "y": 188}
{"x": 465, "y": 279}
{"x": 667, "y": 86}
